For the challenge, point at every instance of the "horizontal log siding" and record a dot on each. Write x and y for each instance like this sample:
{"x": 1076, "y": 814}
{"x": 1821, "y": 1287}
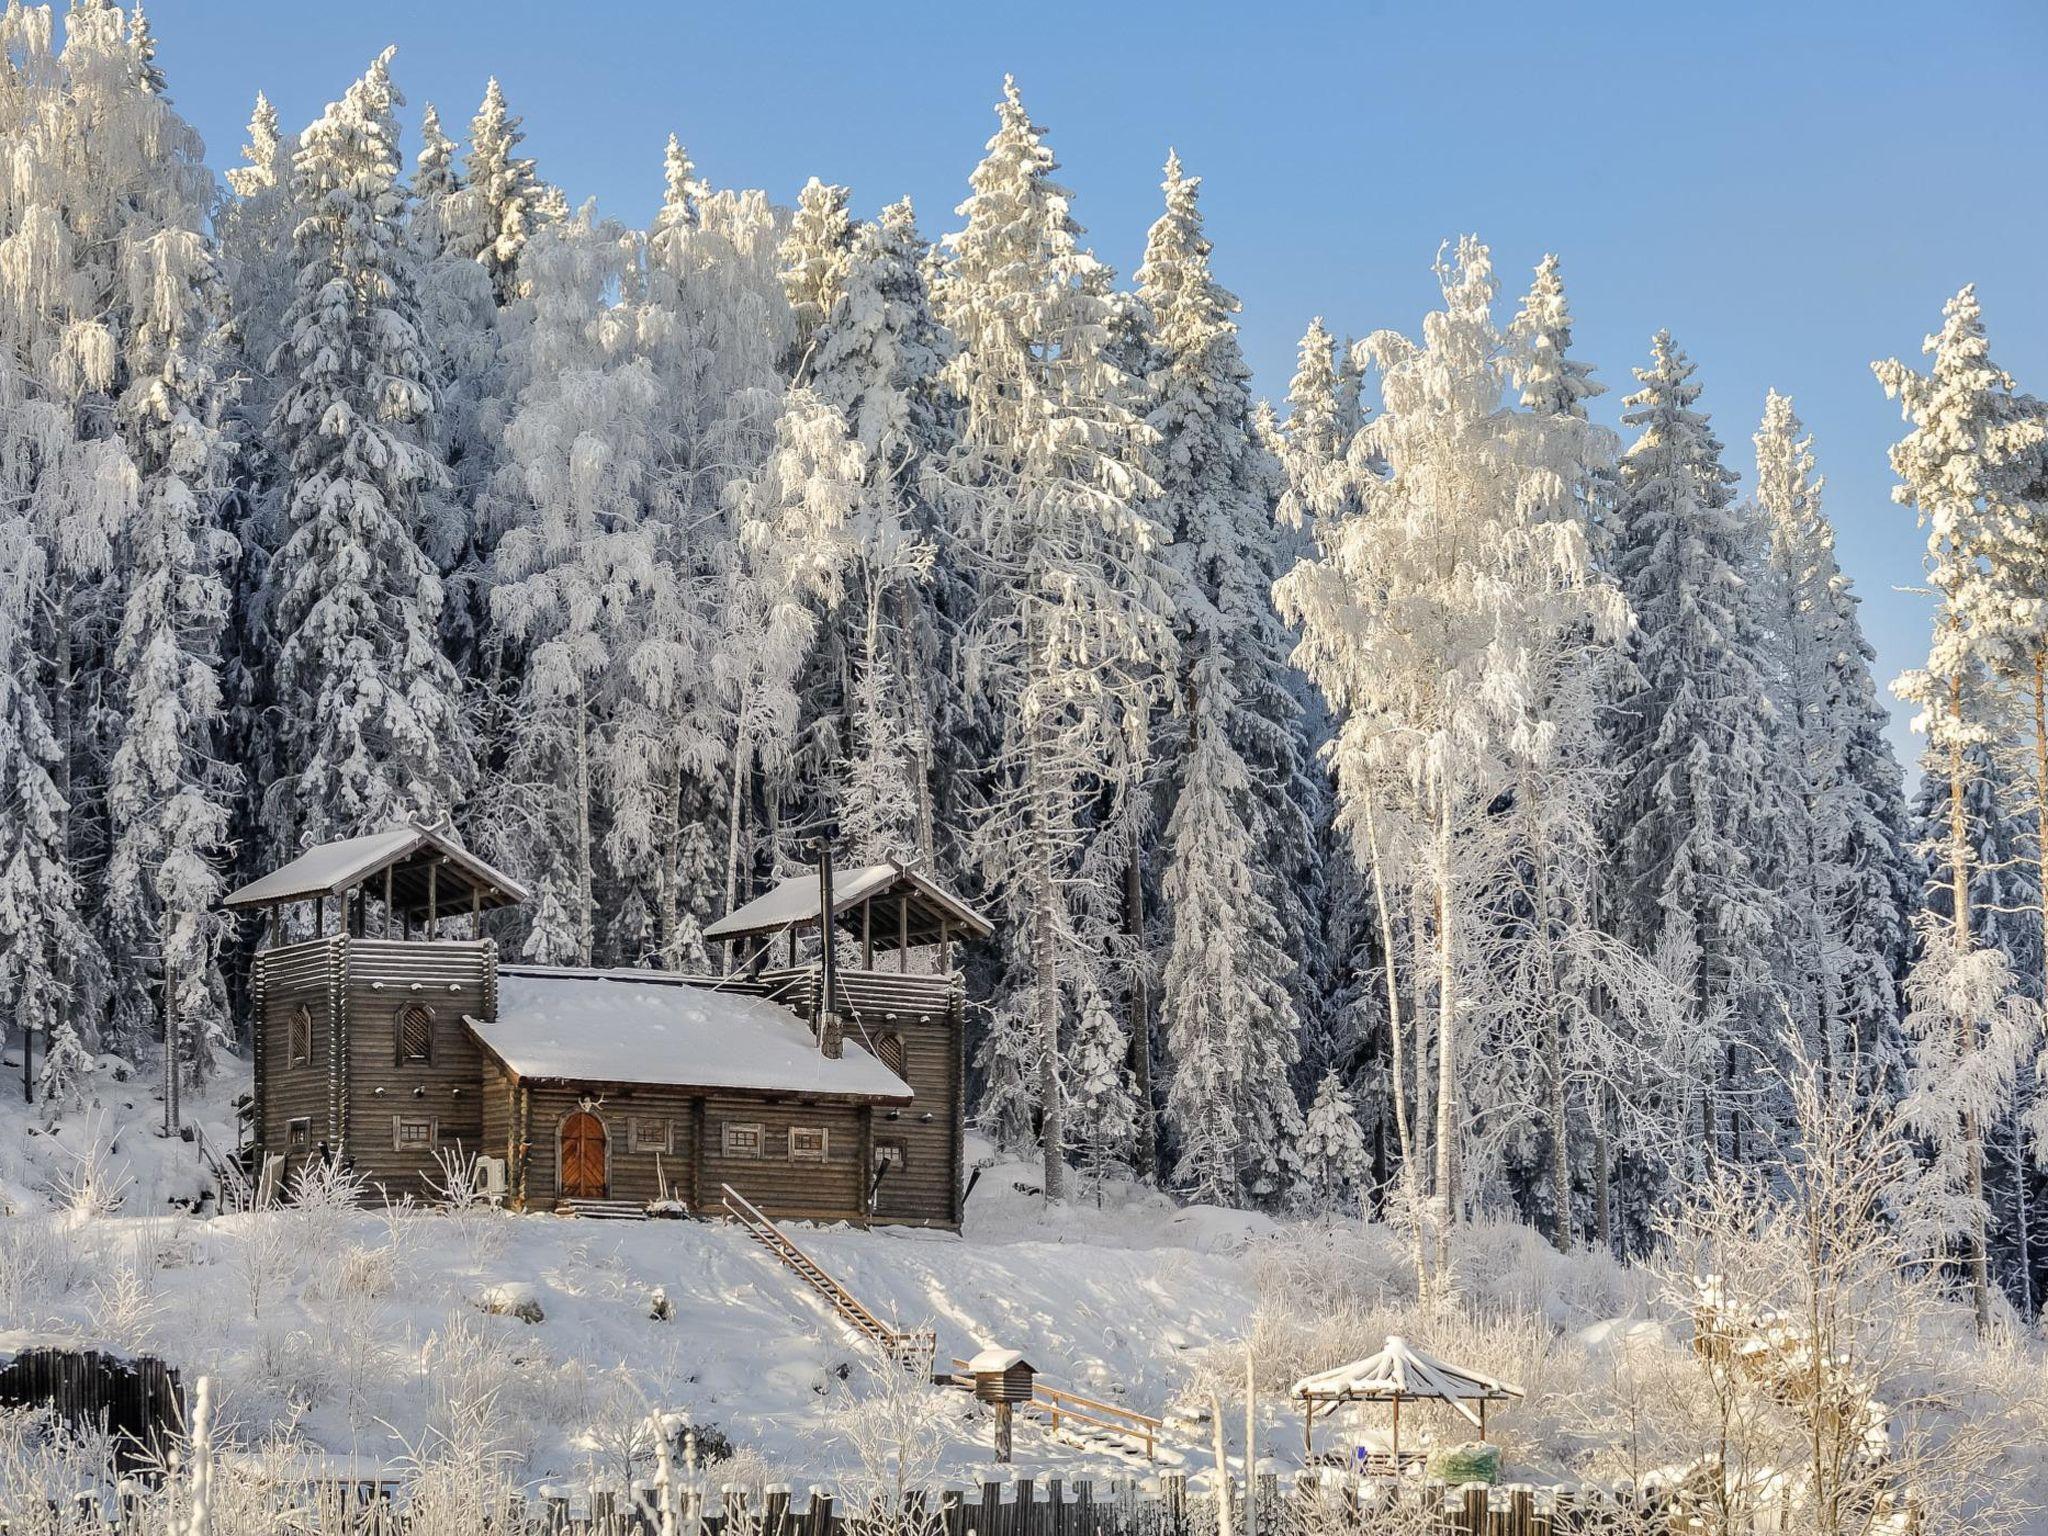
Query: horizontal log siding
{"x": 801, "y": 1191}
{"x": 285, "y": 980}
{"x": 450, "y": 979}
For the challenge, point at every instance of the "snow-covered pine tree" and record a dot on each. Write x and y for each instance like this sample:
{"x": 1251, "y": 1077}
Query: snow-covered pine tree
{"x": 1068, "y": 633}
{"x": 1847, "y": 889}
{"x": 1335, "y": 1169}
{"x": 1693, "y": 741}
{"x": 1970, "y": 455}
{"x": 1223, "y": 558}
{"x": 1421, "y": 621}
{"x": 878, "y": 361}
{"x": 815, "y": 255}
{"x": 370, "y": 714}
{"x": 507, "y": 193}
{"x": 170, "y": 789}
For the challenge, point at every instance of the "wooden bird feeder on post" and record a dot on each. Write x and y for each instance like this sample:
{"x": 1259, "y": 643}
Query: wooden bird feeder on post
{"x": 1004, "y": 1378}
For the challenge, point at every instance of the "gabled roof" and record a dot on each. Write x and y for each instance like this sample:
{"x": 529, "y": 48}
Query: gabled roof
{"x": 333, "y": 867}
{"x": 793, "y": 905}
{"x": 652, "y": 1028}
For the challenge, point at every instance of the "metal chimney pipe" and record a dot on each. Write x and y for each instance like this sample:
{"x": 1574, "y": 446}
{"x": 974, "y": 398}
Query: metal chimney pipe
{"x": 831, "y": 1040}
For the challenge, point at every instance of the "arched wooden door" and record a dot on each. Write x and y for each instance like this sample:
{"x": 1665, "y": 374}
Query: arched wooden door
{"x": 583, "y": 1158}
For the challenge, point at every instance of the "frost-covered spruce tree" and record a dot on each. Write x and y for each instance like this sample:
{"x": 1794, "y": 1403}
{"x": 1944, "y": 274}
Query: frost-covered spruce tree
{"x": 1236, "y": 687}
{"x": 1316, "y": 438}
{"x": 508, "y": 196}
{"x": 1336, "y": 1169}
{"x": 1420, "y": 620}
{"x": 1970, "y": 455}
{"x": 1068, "y": 632}
{"x": 1847, "y": 888}
{"x": 1230, "y": 1028}
{"x": 815, "y": 255}
{"x": 878, "y": 361}
{"x": 1693, "y": 739}
{"x": 370, "y": 715}
{"x": 170, "y": 790}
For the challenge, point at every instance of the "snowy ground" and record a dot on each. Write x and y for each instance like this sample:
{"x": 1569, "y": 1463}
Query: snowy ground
{"x": 358, "y": 1333}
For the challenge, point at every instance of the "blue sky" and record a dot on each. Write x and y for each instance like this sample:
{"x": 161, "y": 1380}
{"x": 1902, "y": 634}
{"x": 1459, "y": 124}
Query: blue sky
{"x": 1792, "y": 188}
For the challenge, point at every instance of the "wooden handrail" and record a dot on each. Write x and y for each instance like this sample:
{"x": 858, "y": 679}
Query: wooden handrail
{"x": 815, "y": 1275}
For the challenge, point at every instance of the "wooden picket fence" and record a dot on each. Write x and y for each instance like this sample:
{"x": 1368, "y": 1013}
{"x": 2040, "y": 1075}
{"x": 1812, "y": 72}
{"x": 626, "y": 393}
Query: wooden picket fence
{"x": 1165, "y": 1506}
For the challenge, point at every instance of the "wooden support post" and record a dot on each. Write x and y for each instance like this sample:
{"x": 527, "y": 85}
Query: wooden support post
{"x": 476, "y": 912}
{"x": 903, "y": 933}
{"x": 945, "y": 947}
{"x": 867, "y": 934}
{"x": 387, "y": 901}
{"x": 433, "y": 897}
{"x": 319, "y": 917}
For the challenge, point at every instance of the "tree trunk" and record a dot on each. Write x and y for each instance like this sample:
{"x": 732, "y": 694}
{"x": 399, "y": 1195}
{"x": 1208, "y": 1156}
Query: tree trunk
{"x": 1603, "y": 1199}
{"x": 586, "y": 913}
{"x": 1045, "y": 964}
{"x": 1147, "y": 1150}
{"x": 1959, "y": 885}
{"x": 1404, "y": 1132}
{"x": 1446, "y": 1035}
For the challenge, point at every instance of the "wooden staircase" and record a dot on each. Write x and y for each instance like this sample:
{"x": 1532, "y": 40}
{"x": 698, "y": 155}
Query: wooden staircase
{"x": 913, "y": 1350}
{"x": 1092, "y": 1425}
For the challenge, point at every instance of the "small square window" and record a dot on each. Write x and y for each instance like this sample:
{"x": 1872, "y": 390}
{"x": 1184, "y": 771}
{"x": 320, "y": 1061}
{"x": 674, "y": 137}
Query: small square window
{"x": 888, "y": 1154}
{"x": 808, "y": 1143}
{"x": 302, "y": 1037}
{"x": 298, "y": 1135}
{"x": 742, "y": 1141}
{"x": 412, "y": 1133}
{"x": 650, "y": 1135}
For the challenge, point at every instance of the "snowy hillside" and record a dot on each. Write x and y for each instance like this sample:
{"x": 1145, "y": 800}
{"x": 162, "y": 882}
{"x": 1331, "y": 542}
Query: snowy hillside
{"x": 361, "y": 1334}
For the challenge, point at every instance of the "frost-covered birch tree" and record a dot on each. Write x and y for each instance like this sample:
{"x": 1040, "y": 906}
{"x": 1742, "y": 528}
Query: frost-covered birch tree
{"x": 1419, "y": 617}
{"x": 1970, "y": 453}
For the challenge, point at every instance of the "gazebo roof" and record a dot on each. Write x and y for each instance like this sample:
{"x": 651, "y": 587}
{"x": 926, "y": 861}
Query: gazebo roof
{"x": 1401, "y": 1372}
{"x": 408, "y": 852}
{"x": 793, "y": 906}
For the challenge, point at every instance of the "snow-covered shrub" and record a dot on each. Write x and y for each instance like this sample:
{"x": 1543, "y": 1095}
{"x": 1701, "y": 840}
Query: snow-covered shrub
{"x": 87, "y": 1178}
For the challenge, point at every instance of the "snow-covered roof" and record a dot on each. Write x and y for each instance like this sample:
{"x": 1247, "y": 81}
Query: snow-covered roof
{"x": 1400, "y": 1370}
{"x": 334, "y": 867}
{"x": 645, "y": 1027}
{"x": 794, "y": 904}
{"x": 992, "y": 1361}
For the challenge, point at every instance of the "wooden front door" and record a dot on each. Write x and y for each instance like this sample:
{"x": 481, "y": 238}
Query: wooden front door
{"x": 583, "y": 1160}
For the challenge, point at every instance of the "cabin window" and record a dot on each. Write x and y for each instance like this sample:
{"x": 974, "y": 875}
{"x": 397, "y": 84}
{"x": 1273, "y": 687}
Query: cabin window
{"x": 650, "y": 1135}
{"x": 743, "y": 1141}
{"x": 412, "y": 1133}
{"x": 302, "y": 1037}
{"x": 888, "y": 1154}
{"x": 415, "y": 1036}
{"x": 298, "y": 1135}
{"x": 890, "y": 1048}
{"x": 808, "y": 1143}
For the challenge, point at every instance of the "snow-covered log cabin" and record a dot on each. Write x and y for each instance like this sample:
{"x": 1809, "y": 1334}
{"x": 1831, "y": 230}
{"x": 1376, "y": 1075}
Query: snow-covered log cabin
{"x": 390, "y": 1036}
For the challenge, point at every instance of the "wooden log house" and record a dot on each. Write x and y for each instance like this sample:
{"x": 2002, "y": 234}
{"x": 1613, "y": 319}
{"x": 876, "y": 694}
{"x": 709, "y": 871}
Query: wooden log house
{"x": 388, "y": 1035}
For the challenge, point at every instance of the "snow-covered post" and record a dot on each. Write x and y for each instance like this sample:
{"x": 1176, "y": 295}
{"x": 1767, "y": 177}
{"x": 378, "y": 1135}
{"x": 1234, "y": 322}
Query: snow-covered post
{"x": 199, "y": 1517}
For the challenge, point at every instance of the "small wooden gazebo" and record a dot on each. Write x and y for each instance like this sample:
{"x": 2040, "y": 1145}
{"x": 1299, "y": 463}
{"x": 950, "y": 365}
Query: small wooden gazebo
{"x": 1397, "y": 1374}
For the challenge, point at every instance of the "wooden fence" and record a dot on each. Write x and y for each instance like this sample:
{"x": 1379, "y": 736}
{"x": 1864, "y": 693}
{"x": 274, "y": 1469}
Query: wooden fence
{"x": 1167, "y": 1506}
{"x": 137, "y": 1400}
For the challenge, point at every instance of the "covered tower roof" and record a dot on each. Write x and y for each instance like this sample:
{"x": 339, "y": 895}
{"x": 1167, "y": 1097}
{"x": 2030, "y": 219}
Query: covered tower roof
{"x": 902, "y": 900}
{"x": 427, "y": 871}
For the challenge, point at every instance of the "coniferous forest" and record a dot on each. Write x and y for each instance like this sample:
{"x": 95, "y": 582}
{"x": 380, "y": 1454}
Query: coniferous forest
{"x": 1404, "y": 797}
